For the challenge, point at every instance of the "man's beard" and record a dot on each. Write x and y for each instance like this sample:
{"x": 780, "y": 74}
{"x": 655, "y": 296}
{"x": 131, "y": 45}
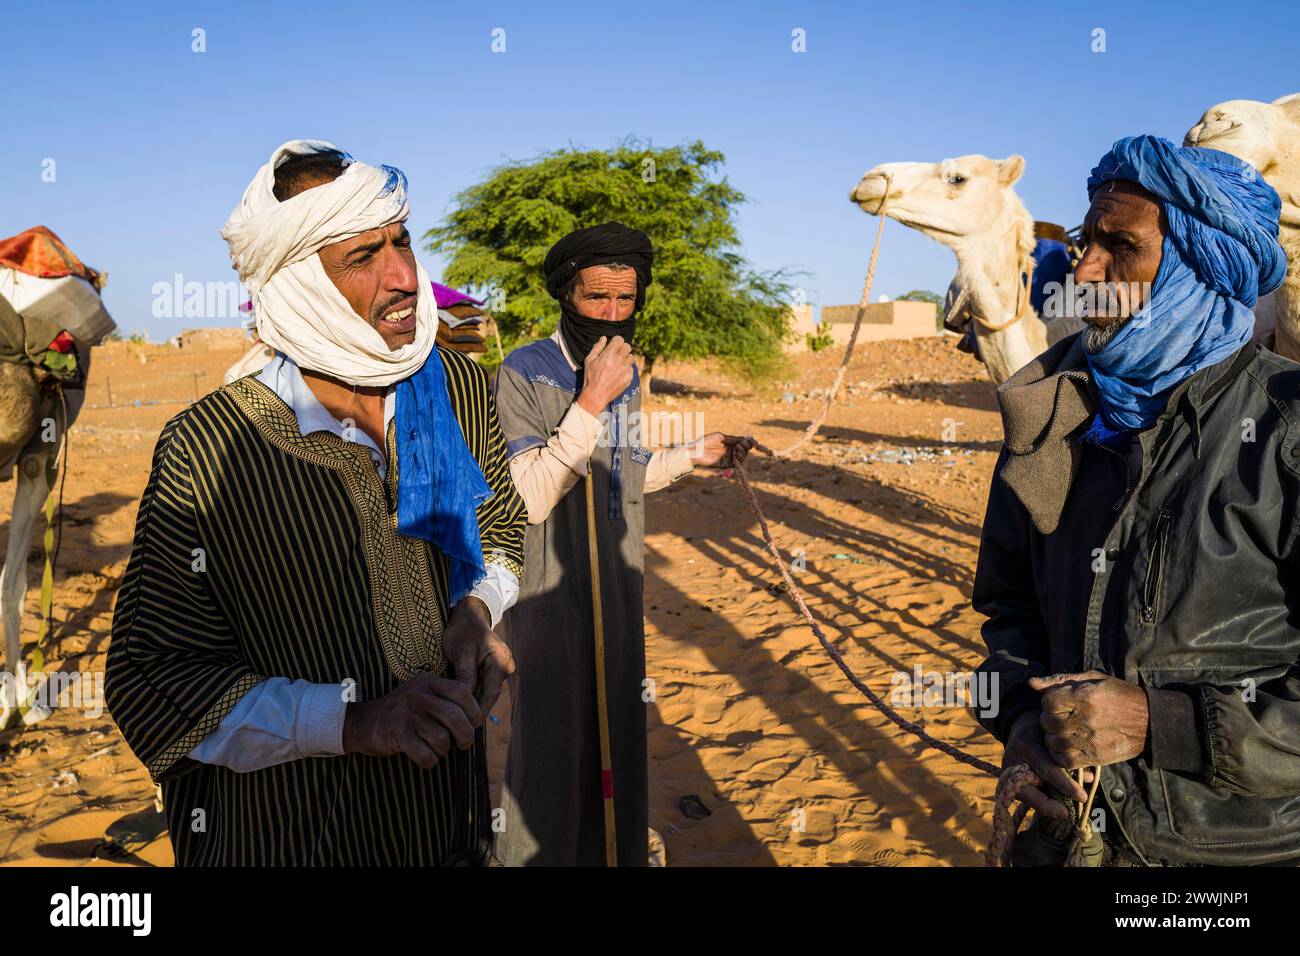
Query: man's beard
{"x": 1096, "y": 338}
{"x": 1103, "y": 301}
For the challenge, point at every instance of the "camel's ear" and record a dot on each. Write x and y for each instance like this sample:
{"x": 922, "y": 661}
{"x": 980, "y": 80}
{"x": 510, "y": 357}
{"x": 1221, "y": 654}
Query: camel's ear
{"x": 1010, "y": 170}
{"x": 1290, "y": 105}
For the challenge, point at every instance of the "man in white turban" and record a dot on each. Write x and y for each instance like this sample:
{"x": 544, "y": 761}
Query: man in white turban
{"x": 302, "y": 649}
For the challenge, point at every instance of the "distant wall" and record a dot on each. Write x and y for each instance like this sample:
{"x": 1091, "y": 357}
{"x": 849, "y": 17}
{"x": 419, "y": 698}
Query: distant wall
{"x": 801, "y": 325}
{"x": 211, "y": 340}
{"x": 883, "y": 320}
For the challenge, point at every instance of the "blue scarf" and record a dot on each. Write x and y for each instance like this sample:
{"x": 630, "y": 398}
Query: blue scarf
{"x": 1219, "y": 255}
{"x": 439, "y": 484}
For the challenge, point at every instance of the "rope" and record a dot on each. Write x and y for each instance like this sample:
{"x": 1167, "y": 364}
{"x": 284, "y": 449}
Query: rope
{"x": 893, "y": 715}
{"x": 1024, "y": 304}
{"x": 1011, "y": 780}
{"x": 815, "y": 425}
{"x": 1005, "y": 823}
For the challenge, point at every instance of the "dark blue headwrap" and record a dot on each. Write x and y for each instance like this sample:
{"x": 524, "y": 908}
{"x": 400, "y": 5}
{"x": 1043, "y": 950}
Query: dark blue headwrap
{"x": 1219, "y": 255}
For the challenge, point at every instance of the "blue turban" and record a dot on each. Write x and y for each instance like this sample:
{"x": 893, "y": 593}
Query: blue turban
{"x": 1219, "y": 255}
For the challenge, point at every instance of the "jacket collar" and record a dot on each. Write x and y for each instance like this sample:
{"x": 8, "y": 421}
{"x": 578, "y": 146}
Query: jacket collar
{"x": 1046, "y": 404}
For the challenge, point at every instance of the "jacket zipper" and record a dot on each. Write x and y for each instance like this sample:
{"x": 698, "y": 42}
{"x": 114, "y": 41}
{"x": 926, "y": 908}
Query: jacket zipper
{"x": 1155, "y": 569}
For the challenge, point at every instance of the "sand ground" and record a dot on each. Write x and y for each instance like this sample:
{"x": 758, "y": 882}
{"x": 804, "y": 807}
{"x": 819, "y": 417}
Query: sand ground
{"x": 750, "y": 716}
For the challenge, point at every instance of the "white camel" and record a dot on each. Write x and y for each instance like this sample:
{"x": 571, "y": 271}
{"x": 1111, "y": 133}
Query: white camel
{"x": 1267, "y": 135}
{"x": 31, "y": 433}
{"x": 968, "y": 204}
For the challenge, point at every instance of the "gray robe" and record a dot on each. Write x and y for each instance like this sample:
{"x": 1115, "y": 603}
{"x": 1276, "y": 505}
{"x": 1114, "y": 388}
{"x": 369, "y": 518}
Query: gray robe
{"x": 554, "y": 813}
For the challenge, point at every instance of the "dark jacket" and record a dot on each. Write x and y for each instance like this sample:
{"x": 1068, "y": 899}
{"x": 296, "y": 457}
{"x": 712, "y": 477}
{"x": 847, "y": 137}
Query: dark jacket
{"x": 1173, "y": 566}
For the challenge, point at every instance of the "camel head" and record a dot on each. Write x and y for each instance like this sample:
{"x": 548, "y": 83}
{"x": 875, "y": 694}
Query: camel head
{"x": 948, "y": 201}
{"x": 969, "y": 204}
{"x": 1266, "y": 135}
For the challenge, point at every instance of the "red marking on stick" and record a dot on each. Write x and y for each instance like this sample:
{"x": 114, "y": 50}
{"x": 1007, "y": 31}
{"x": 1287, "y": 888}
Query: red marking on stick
{"x": 607, "y": 784}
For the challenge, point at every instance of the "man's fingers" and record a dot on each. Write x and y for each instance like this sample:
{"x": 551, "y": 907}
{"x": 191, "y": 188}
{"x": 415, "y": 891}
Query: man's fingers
{"x": 453, "y": 718}
{"x": 1072, "y": 759}
{"x": 1043, "y": 803}
{"x": 593, "y": 357}
{"x": 1058, "y": 700}
{"x": 1054, "y": 722}
{"x": 459, "y": 694}
{"x": 1044, "y": 763}
{"x": 437, "y": 736}
{"x": 1060, "y": 781}
{"x": 491, "y": 676}
{"x": 1060, "y": 743}
{"x": 1051, "y": 680}
{"x": 419, "y": 750}
{"x": 1057, "y": 680}
{"x": 464, "y": 663}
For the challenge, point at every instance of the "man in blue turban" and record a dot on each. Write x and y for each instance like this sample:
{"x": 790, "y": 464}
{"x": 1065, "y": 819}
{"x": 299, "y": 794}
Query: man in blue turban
{"x": 1138, "y": 563}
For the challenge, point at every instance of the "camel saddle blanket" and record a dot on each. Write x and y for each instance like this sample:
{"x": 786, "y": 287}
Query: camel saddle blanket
{"x": 39, "y": 252}
{"x": 52, "y": 291}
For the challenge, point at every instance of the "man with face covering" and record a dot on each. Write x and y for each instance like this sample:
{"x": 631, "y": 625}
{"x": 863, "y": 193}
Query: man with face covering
{"x": 1139, "y": 565}
{"x": 302, "y": 653}
{"x": 570, "y": 404}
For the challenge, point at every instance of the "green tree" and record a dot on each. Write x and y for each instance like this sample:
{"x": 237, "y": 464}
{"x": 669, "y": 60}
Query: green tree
{"x": 705, "y": 299}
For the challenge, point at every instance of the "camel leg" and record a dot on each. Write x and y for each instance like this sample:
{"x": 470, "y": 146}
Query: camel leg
{"x": 28, "y": 498}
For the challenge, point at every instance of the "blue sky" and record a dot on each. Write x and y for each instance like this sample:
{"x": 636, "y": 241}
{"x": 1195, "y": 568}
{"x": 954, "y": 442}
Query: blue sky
{"x": 154, "y": 143}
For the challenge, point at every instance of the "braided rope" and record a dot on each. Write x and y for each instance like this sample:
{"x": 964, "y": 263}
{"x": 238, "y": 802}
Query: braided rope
{"x": 815, "y": 425}
{"x": 1011, "y": 780}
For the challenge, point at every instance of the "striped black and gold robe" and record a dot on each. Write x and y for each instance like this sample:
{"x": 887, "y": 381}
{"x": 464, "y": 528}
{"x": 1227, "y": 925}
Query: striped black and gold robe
{"x": 261, "y": 552}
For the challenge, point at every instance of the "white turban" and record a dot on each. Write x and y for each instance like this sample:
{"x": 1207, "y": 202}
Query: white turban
{"x": 299, "y": 310}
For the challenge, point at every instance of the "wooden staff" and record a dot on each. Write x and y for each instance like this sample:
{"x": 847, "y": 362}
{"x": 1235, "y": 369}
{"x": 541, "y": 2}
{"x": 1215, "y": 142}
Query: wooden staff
{"x": 606, "y": 763}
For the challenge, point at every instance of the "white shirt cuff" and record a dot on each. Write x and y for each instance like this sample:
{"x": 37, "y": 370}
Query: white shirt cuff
{"x": 498, "y": 590}
{"x": 318, "y": 728}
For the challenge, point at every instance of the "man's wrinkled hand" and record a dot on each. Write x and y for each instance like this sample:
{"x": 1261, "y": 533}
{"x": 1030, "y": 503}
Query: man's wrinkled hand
{"x": 1025, "y": 745}
{"x": 1091, "y": 719}
{"x": 479, "y": 659}
{"x": 716, "y": 450}
{"x": 421, "y": 718}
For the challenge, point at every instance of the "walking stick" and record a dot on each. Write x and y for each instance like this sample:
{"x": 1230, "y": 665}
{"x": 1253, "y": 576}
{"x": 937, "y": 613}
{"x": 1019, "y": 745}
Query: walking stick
{"x": 606, "y": 764}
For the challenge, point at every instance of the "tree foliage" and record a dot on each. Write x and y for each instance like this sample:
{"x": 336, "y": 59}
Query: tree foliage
{"x": 705, "y": 299}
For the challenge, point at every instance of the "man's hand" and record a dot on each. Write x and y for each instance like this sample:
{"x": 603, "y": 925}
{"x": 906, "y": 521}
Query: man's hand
{"x": 479, "y": 659}
{"x": 420, "y": 718}
{"x": 716, "y": 450}
{"x": 606, "y": 374}
{"x": 1092, "y": 719}
{"x": 1025, "y": 745}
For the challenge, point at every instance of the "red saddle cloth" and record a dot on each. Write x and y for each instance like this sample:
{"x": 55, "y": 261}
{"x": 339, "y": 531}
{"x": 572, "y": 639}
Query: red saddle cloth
{"x": 39, "y": 252}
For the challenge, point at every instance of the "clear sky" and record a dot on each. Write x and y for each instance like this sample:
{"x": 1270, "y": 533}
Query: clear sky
{"x": 153, "y": 143}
